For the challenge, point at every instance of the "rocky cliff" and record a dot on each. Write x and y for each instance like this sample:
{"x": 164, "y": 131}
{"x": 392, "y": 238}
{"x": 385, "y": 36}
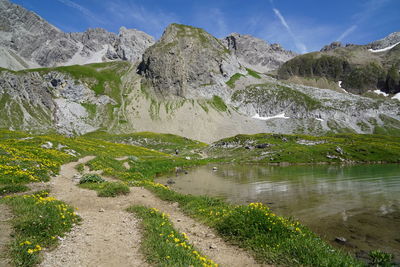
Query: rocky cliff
{"x": 257, "y": 54}
{"x": 357, "y": 68}
{"x": 189, "y": 62}
{"x": 188, "y": 83}
{"x": 28, "y": 41}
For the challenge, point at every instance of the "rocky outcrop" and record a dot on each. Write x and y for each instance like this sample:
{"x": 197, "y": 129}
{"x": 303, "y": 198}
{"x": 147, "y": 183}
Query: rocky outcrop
{"x": 358, "y": 68}
{"x": 389, "y": 40}
{"x": 188, "y": 62}
{"x": 257, "y": 54}
{"x": 49, "y": 100}
{"x": 28, "y": 41}
{"x": 331, "y": 46}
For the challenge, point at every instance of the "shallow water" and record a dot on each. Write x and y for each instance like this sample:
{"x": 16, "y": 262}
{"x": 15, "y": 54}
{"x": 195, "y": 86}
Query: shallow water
{"x": 360, "y": 203}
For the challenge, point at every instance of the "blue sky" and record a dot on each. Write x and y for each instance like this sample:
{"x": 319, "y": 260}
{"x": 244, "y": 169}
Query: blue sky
{"x": 301, "y": 26}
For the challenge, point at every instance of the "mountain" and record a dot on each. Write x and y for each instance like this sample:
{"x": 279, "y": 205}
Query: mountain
{"x": 257, "y": 54}
{"x": 187, "y": 83}
{"x": 28, "y": 41}
{"x": 188, "y": 62}
{"x": 358, "y": 68}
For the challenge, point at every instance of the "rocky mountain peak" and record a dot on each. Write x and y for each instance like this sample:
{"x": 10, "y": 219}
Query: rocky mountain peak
{"x": 255, "y": 53}
{"x": 29, "y": 41}
{"x": 389, "y": 40}
{"x": 331, "y": 46}
{"x": 188, "y": 61}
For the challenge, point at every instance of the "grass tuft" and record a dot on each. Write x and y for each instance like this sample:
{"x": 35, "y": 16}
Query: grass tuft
{"x": 13, "y": 188}
{"x": 165, "y": 246}
{"x": 39, "y": 221}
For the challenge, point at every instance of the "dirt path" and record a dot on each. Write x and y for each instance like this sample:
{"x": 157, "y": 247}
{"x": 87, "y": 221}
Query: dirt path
{"x": 109, "y": 236}
{"x": 5, "y": 232}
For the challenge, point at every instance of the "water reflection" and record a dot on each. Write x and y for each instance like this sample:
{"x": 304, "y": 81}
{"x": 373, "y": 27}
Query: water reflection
{"x": 359, "y": 202}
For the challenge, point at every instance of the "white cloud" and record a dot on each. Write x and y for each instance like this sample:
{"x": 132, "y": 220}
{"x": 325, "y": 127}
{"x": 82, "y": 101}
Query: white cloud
{"x": 88, "y": 14}
{"x": 347, "y": 32}
{"x": 367, "y": 10}
{"x": 300, "y": 45}
{"x": 130, "y": 14}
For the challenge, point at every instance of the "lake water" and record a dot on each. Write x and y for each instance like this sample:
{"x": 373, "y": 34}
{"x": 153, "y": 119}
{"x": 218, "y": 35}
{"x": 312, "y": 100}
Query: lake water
{"x": 360, "y": 203}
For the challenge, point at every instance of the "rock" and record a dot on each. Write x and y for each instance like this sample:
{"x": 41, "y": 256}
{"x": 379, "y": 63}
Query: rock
{"x": 165, "y": 65}
{"x": 47, "y": 145}
{"x": 101, "y": 210}
{"x": 262, "y": 145}
{"x": 187, "y": 158}
{"x": 339, "y": 150}
{"x": 178, "y": 220}
{"x": 340, "y": 240}
{"x": 332, "y": 46}
{"x": 214, "y": 168}
{"x": 257, "y": 54}
{"x": 170, "y": 181}
{"x": 28, "y": 41}
{"x": 389, "y": 40}
{"x": 213, "y": 246}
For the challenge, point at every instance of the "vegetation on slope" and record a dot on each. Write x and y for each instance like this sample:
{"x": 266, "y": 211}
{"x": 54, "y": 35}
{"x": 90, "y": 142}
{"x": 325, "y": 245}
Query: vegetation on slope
{"x": 39, "y": 221}
{"x": 166, "y": 143}
{"x": 280, "y": 148}
{"x": 165, "y": 246}
{"x": 357, "y": 78}
{"x": 271, "y": 238}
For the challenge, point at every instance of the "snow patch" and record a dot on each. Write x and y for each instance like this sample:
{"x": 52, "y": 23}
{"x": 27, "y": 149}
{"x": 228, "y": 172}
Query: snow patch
{"x": 379, "y": 92}
{"x": 279, "y": 116}
{"x": 396, "y": 96}
{"x": 318, "y": 119}
{"x": 383, "y": 49}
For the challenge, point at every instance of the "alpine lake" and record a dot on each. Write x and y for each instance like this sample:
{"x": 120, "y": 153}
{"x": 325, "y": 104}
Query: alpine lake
{"x": 355, "y": 207}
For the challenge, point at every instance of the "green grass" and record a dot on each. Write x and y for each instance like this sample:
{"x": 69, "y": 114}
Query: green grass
{"x": 268, "y": 94}
{"x": 113, "y": 189}
{"x": 253, "y": 73}
{"x": 166, "y": 143}
{"x": 107, "y": 189}
{"x": 39, "y": 220}
{"x": 163, "y": 245}
{"x": 235, "y": 77}
{"x": 22, "y": 160}
{"x": 217, "y": 103}
{"x": 91, "y": 178}
{"x": 270, "y": 238}
{"x": 103, "y": 188}
{"x": 13, "y": 188}
{"x": 291, "y": 148}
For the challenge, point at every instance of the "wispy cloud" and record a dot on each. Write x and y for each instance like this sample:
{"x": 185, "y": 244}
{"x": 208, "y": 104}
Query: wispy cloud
{"x": 347, "y": 32}
{"x": 130, "y": 14}
{"x": 212, "y": 20}
{"x": 86, "y": 12}
{"x": 367, "y": 11}
{"x": 300, "y": 45}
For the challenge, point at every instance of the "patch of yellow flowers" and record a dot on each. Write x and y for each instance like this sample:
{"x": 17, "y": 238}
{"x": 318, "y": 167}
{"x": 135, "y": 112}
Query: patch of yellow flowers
{"x": 182, "y": 241}
{"x": 32, "y": 248}
{"x": 274, "y": 219}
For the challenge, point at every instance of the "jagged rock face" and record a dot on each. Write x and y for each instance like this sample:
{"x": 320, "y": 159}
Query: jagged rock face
{"x": 331, "y": 46}
{"x": 188, "y": 62}
{"x": 47, "y": 101}
{"x": 257, "y": 54}
{"x": 28, "y": 41}
{"x": 389, "y": 40}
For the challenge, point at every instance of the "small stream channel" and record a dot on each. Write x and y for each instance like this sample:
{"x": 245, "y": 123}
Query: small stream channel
{"x": 360, "y": 203}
